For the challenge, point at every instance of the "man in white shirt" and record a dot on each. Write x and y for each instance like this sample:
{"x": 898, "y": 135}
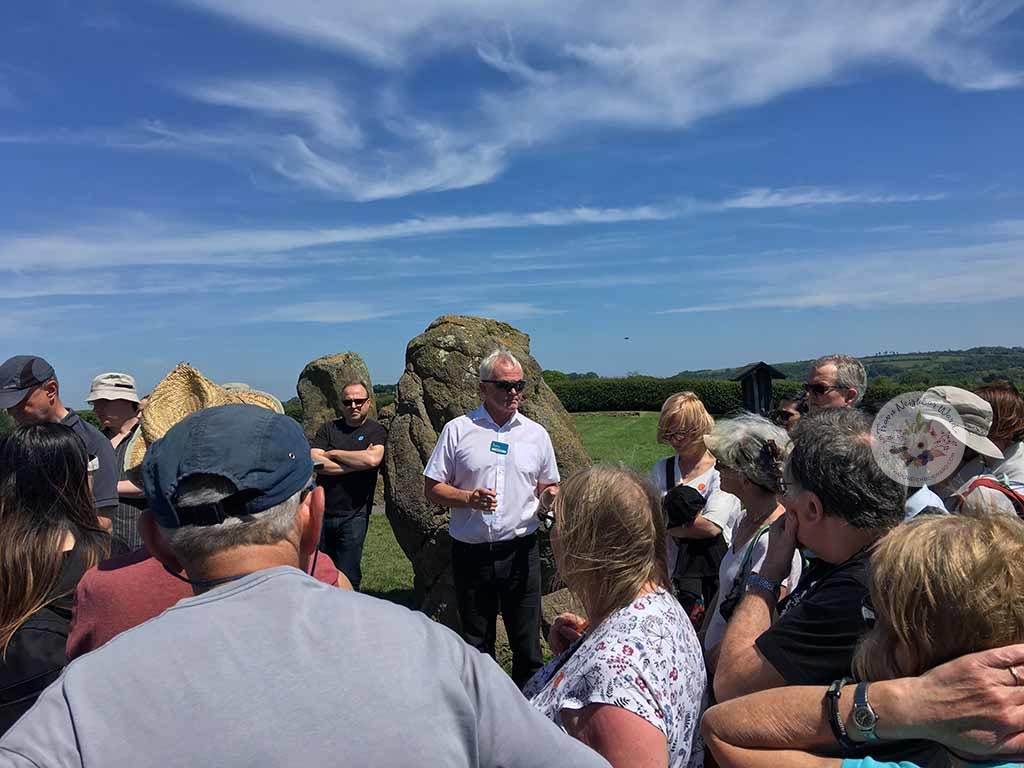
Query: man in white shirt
{"x": 494, "y": 468}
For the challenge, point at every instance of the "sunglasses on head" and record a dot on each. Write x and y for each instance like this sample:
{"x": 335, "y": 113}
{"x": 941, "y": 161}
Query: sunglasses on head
{"x": 508, "y": 386}
{"x": 354, "y": 401}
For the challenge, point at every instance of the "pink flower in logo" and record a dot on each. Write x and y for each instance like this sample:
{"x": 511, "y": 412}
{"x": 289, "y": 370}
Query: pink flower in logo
{"x": 627, "y": 650}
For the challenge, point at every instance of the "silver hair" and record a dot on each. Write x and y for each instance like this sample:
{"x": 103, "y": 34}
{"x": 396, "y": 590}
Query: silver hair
{"x": 850, "y": 372}
{"x": 500, "y": 354}
{"x": 194, "y": 543}
{"x": 753, "y": 446}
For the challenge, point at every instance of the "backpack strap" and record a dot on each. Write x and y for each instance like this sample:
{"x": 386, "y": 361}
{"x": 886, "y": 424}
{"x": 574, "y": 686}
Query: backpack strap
{"x": 670, "y": 473}
{"x": 990, "y": 482}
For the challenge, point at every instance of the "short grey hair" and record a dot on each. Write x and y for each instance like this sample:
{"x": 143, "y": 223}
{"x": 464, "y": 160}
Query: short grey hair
{"x": 195, "y": 543}
{"x": 850, "y": 373}
{"x": 500, "y": 354}
{"x": 753, "y": 446}
{"x": 357, "y": 383}
{"x": 832, "y": 458}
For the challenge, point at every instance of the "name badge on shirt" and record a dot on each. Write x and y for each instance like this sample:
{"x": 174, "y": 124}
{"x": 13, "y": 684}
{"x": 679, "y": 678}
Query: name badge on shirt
{"x": 497, "y": 447}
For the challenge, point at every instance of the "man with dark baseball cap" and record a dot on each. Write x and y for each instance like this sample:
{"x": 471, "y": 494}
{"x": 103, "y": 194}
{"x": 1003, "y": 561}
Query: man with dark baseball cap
{"x": 30, "y": 393}
{"x": 266, "y": 665}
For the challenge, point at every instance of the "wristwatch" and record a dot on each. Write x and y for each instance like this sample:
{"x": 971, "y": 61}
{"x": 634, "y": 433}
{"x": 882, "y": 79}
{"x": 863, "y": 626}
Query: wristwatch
{"x": 864, "y": 716}
{"x": 757, "y": 581}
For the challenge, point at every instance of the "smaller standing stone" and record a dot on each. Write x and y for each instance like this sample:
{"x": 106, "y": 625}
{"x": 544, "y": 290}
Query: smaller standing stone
{"x": 320, "y": 385}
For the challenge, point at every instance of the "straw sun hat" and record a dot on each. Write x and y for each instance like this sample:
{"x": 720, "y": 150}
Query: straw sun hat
{"x": 182, "y": 392}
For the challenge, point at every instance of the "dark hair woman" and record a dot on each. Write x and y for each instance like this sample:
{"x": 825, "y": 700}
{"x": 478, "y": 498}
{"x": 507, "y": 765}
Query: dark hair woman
{"x": 50, "y": 536}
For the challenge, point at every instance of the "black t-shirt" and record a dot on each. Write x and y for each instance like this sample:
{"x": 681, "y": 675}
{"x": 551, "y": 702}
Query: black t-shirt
{"x": 813, "y": 640}
{"x": 350, "y": 494}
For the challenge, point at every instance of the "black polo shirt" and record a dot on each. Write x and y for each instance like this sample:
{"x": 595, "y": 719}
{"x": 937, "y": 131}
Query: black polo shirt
{"x": 813, "y": 640}
{"x": 350, "y": 494}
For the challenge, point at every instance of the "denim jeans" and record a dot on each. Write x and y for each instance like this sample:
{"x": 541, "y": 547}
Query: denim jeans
{"x": 342, "y": 539}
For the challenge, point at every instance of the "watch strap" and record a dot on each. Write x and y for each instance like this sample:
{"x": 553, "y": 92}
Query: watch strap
{"x": 835, "y": 721}
{"x": 757, "y": 581}
{"x": 864, "y": 716}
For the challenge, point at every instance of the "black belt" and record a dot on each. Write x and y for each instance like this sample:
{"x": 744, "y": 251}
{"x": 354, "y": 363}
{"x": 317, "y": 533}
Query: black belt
{"x": 506, "y": 545}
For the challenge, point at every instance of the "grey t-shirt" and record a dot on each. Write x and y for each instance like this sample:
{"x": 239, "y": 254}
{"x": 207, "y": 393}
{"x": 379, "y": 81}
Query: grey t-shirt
{"x": 277, "y": 669}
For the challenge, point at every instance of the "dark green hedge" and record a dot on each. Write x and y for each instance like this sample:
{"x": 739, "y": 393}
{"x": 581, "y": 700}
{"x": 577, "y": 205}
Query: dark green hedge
{"x": 647, "y": 393}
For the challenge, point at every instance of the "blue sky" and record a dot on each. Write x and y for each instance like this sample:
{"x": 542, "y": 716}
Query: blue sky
{"x": 250, "y": 184}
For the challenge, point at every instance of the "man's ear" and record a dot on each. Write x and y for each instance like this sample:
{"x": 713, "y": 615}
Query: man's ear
{"x": 311, "y": 518}
{"x": 814, "y": 510}
{"x": 52, "y": 390}
{"x": 851, "y": 395}
{"x": 154, "y": 541}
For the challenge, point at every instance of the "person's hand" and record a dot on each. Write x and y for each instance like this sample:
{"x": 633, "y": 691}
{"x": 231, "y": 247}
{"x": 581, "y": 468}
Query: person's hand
{"x": 565, "y": 630}
{"x": 547, "y": 496}
{"x": 781, "y": 545}
{"x": 483, "y": 499}
{"x": 974, "y": 705}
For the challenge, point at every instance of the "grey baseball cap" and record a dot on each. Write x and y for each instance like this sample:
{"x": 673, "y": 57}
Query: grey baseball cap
{"x": 19, "y": 374}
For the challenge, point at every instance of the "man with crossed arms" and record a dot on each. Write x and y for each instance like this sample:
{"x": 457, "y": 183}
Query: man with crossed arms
{"x": 494, "y": 468}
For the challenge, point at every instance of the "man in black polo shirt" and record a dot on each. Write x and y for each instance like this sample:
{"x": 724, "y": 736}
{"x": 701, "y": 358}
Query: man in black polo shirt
{"x": 30, "y": 393}
{"x": 839, "y": 503}
{"x": 348, "y": 452}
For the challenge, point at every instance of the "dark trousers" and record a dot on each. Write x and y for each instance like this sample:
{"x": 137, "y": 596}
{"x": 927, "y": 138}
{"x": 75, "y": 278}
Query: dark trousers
{"x": 502, "y": 575}
{"x": 342, "y": 539}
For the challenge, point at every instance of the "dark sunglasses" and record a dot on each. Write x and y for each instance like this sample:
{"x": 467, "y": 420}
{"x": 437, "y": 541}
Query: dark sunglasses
{"x": 820, "y": 389}
{"x": 355, "y": 401}
{"x": 508, "y": 386}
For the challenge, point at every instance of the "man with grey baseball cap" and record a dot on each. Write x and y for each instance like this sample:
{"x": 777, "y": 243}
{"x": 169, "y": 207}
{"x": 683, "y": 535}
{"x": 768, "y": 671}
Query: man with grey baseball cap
{"x": 265, "y": 665}
{"x": 30, "y": 393}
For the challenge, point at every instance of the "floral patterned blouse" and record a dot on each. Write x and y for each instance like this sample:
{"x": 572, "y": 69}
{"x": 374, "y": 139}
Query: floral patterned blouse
{"x": 644, "y": 658}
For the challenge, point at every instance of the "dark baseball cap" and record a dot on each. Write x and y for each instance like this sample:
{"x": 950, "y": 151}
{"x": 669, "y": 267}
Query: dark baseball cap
{"x": 264, "y": 454}
{"x": 19, "y": 374}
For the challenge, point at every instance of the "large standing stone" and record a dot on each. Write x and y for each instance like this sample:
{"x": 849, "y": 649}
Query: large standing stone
{"x": 320, "y": 385}
{"x": 440, "y": 383}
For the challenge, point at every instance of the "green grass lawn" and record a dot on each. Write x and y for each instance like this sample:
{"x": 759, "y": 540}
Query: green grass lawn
{"x": 387, "y": 573}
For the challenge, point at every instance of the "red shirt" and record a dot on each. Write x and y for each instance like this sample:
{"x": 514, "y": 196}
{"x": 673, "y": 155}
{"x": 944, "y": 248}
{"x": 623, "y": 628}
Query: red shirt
{"x": 123, "y": 592}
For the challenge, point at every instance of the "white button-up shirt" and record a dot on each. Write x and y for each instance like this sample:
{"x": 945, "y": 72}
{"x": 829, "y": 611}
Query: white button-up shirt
{"x": 474, "y": 452}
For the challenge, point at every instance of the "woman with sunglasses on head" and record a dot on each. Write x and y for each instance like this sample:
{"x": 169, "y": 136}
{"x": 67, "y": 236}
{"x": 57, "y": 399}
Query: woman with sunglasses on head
{"x": 632, "y": 683}
{"x": 750, "y": 452}
{"x": 941, "y": 587}
{"x": 694, "y": 551}
{"x": 50, "y": 536}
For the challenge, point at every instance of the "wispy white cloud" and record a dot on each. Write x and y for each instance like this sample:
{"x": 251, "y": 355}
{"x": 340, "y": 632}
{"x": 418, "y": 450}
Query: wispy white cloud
{"x": 969, "y": 274}
{"x": 577, "y": 63}
{"x": 325, "y": 312}
{"x": 515, "y": 311}
{"x": 316, "y": 104}
{"x": 144, "y": 240}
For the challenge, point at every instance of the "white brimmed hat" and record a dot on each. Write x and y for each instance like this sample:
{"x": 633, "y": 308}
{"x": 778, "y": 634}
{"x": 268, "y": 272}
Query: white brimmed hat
{"x": 113, "y": 386}
{"x": 974, "y": 412}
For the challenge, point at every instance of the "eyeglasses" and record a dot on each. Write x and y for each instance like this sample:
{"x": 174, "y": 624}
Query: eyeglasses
{"x": 546, "y": 518}
{"x": 356, "y": 401}
{"x": 821, "y": 389}
{"x": 508, "y": 386}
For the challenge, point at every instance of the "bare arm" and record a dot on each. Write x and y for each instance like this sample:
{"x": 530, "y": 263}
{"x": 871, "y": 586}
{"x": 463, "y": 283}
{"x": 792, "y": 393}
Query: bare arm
{"x": 702, "y": 528}
{"x": 328, "y": 467}
{"x": 623, "y": 739}
{"x": 130, "y": 490}
{"x": 740, "y": 668}
{"x": 369, "y": 458}
{"x": 445, "y": 495}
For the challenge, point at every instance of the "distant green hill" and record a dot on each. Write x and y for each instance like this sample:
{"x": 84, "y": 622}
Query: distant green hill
{"x": 966, "y": 365}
